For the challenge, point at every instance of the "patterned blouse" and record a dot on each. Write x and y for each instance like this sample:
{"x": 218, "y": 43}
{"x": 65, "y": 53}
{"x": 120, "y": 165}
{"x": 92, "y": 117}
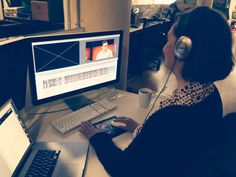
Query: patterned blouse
{"x": 190, "y": 94}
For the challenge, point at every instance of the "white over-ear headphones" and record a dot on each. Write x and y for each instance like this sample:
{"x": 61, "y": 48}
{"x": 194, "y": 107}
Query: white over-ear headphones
{"x": 183, "y": 47}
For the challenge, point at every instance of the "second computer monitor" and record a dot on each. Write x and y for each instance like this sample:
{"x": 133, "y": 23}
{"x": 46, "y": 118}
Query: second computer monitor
{"x": 64, "y": 65}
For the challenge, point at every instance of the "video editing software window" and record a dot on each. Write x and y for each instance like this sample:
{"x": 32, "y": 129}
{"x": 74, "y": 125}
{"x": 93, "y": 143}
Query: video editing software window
{"x": 68, "y": 63}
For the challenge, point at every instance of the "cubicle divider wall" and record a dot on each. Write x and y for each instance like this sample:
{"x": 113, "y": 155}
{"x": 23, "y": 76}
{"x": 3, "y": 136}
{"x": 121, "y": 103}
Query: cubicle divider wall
{"x": 13, "y": 65}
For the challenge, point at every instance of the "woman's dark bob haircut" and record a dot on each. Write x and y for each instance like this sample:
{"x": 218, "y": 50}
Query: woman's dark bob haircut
{"x": 210, "y": 58}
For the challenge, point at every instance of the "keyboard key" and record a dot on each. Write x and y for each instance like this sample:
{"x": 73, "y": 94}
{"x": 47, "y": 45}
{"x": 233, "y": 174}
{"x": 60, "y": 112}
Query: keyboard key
{"x": 43, "y": 163}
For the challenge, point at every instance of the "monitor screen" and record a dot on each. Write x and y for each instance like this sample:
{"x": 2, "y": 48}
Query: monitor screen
{"x": 14, "y": 139}
{"x": 64, "y": 65}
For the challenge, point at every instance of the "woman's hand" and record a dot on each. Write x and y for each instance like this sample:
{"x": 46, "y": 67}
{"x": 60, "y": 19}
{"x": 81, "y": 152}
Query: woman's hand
{"x": 126, "y": 123}
{"x": 88, "y": 129}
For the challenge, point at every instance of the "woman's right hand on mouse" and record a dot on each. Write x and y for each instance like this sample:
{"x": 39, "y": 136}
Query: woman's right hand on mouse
{"x": 128, "y": 124}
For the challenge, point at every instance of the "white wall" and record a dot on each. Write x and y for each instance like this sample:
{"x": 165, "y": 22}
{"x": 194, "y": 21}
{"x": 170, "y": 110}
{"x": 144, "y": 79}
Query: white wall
{"x": 103, "y": 15}
{"x": 71, "y": 11}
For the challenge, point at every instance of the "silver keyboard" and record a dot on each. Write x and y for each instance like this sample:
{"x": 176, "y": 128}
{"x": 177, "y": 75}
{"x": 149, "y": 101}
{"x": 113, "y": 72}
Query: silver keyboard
{"x": 72, "y": 120}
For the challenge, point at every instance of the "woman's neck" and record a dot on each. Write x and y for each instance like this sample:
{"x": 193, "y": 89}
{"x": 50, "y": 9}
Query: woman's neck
{"x": 180, "y": 81}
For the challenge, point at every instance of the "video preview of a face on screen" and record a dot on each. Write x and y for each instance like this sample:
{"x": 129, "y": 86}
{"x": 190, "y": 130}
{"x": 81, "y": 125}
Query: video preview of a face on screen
{"x": 100, "y": 50}
{"x": 65, "y": 65}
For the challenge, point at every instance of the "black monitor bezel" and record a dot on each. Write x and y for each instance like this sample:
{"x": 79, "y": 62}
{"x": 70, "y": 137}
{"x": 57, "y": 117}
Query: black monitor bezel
{"x": 35, "y": 101}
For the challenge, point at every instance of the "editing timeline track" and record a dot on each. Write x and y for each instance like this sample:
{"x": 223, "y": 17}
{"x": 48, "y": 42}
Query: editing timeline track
{"x": 55, "y": 82}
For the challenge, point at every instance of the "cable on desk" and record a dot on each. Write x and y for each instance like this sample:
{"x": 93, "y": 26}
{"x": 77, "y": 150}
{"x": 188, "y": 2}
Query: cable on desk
{"x": 86, "y": 161}
{"x": 106, "y": 92}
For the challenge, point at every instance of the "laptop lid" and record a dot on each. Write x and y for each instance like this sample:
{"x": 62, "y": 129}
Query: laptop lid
{"x": 15, "y": 141}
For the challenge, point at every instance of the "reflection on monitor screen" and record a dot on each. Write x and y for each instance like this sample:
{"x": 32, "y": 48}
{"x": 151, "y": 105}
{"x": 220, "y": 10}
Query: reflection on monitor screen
{"x": 67, "y": 64}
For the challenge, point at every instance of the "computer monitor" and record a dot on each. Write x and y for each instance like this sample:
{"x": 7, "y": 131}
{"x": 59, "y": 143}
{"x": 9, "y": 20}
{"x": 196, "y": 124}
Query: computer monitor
{"x": 13, "y": 67}
{"x": 65, "y": 65}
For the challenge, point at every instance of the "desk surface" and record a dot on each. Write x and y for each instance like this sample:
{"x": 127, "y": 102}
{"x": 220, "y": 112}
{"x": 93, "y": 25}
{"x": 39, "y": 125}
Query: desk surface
{"x": 131, "y": 30}
{"x": 145, "y": 25}
{"x": 127, "y": 105}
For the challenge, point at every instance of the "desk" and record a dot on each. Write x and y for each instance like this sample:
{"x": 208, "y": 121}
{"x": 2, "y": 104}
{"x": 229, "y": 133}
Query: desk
{"x": 127, "y": 105}
{"x": 131, "y": 30}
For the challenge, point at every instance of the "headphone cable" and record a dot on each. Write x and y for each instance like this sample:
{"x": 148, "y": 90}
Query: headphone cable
{"x": 162, "y": 90}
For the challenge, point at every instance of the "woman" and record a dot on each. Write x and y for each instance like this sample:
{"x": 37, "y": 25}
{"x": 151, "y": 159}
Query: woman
{"x": 172, "y": 140}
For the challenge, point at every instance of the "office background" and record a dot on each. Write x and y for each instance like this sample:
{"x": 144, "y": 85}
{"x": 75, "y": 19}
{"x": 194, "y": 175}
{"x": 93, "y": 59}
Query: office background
{"x": 101, "y": 16}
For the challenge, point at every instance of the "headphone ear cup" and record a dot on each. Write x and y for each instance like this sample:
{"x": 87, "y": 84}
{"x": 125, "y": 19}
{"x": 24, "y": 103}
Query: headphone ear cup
{"x": 183, "y": 47}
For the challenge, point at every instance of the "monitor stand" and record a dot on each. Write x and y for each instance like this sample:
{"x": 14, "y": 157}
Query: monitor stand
{"x": 78, "y": 102}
